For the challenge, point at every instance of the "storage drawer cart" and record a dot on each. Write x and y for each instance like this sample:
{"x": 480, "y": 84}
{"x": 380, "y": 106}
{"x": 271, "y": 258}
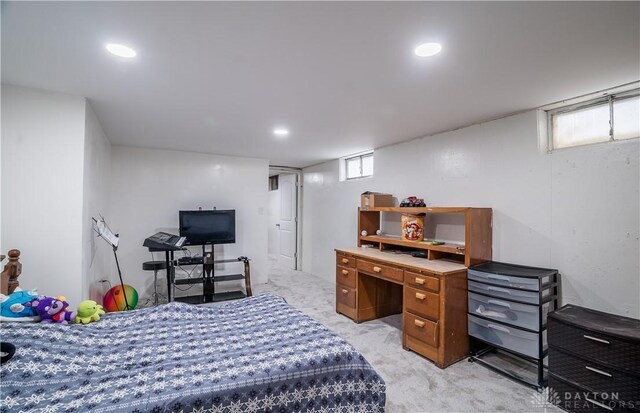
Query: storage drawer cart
{"x": 507, "y": 310}
{"x": 594, "y": 360}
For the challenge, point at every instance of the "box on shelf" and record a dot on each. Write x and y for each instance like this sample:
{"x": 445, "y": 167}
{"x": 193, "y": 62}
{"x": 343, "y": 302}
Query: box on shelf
{"x": 412, "y": 227}
{"x": 370, "y": 200}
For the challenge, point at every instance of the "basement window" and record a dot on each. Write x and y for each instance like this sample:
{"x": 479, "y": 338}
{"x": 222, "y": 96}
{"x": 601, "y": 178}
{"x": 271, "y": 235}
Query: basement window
{"x": 607, "y": 118}
{"x": 359, "y": 166}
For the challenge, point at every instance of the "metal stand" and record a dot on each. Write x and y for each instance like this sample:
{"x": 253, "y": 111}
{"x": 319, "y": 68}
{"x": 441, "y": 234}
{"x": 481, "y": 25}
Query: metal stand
{"x": 209, "y": 280}
{"x": 171, "y": 274}
{"x": 102, "y": 229}
{"x": 127, "y": 307}
{"x": 156, "y": 295}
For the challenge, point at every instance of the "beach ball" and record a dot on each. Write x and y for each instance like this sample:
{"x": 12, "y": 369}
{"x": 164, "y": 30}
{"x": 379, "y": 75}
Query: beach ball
{"x": 114, "y": 298}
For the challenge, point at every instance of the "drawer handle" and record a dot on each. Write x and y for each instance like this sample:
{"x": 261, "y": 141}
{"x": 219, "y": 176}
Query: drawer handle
{"x": 377, "y": 269}
{"x": 345, "y": 291}
{"x": 499, "y": 328}
{"x": 595, "y": 370}
{"x": 499, "y": 303}
{"x": 604, "y": 406}
{"x": 498, "y": 277}
{"x": 498, "y": 289}
{"x": 345, "y": 261}
{"x": 419, "y": 280}
{"x": 419, "y": 323}
{"x": 345, "y": 272}
{"x": 420, "y": 296}
{"x": 599, "y": 340}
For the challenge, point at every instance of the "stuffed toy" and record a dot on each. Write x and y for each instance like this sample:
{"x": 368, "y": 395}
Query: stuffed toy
{"x": 17, "y": 306}
{"x": 52, "y": 310}
{"x": 89, "y": 311}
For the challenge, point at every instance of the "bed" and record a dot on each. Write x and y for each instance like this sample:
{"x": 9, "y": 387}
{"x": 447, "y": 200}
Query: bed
{"x": 255, "y": 355}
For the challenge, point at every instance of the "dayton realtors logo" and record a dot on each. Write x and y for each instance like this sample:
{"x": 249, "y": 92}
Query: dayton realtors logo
{"x": 546, "y": 398}
{"x": 580, "y": 400}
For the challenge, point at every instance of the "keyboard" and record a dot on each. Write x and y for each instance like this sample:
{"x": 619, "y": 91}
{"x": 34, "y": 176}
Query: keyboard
{"x": 161, "y": 241}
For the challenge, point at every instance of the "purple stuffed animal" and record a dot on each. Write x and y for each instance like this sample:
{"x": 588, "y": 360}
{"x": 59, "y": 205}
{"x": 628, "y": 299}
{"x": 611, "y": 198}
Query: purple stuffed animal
{"x": 52, "y": 310}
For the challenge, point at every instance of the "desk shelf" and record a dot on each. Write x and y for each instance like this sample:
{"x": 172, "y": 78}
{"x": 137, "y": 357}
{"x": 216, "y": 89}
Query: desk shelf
{"x": 423, "y": 245}
{"x": 421, "y": 210}
{"x": 476, "y": 223}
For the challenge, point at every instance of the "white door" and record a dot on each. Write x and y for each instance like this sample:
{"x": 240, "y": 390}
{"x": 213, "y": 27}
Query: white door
{"x": 287, "y": 221}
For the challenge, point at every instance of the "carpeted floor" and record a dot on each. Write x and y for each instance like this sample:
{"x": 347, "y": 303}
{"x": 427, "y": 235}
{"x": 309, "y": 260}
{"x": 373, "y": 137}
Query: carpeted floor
{"x": 414, "y": 384}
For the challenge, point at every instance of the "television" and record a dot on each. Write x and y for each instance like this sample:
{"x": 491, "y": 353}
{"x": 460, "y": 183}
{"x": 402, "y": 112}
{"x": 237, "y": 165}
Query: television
{"x": 208, "y": 227}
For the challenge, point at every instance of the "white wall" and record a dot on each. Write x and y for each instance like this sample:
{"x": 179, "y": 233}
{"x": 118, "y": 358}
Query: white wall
{"x": 97, "y": 258}
{"x": 42, "y": 184}
{"x": 1, "y": 245}
{"x": 576, "y": 210}
{"x": 594, "y": 225}
{"x": 149, "y": 187}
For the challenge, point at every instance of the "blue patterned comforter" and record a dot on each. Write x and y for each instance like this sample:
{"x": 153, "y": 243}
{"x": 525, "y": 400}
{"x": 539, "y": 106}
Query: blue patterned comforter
{"x": 253, "y": 355}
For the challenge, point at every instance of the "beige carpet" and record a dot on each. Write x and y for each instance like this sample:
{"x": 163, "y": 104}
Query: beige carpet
{"x": 414, "y": 384}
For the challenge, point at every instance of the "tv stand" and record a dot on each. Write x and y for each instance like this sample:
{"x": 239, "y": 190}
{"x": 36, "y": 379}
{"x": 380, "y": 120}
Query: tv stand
{"x": 209, "y": 280}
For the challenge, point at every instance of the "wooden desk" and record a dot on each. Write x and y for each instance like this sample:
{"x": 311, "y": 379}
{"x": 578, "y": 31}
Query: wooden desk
{"x": 430, "y": 294}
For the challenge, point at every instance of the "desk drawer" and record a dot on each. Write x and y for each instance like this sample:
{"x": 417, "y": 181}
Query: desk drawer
{"x": 422, "y": 281}
{"x": 422, "y": 303}
{"x": 346, "y": 295}
{"x": 384, "y": 271}
{"x": 346, "y": 276}
{"x": 345, "y": 261}
{"x": 421, "y": 329}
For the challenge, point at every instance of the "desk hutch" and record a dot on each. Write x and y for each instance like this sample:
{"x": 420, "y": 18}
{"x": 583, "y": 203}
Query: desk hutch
{"x": 431, "y": 293}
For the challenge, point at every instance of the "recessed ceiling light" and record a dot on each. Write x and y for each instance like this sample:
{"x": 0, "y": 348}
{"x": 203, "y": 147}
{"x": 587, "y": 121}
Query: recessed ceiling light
{"x": 428, "y": 49}
{"x": 120, "y": 50}
{"x": 281, "y": 132}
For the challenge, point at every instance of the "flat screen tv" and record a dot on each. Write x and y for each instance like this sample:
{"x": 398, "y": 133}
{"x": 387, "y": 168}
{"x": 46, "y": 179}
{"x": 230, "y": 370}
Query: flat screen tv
{"x": 208, "y": 227}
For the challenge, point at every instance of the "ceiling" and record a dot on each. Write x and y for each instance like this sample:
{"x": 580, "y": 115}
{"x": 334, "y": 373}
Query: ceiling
{"x": 341, "y": 76}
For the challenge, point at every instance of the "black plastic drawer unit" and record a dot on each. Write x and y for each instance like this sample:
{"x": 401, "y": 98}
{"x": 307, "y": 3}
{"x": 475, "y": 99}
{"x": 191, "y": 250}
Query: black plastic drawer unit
{"x": 594, "y": 356}
{"x": 508, "y": 307}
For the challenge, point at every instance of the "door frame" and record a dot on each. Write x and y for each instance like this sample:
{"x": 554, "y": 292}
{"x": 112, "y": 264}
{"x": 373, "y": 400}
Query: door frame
{"x": 298, "y": 172}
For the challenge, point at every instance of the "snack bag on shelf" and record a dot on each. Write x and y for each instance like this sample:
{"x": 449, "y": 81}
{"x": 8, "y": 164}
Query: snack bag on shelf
{"x": 412, "y": 227}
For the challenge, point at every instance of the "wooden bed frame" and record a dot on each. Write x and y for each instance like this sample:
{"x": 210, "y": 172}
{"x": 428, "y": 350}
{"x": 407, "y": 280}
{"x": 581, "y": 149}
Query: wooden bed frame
{"x": 12, "y": 270}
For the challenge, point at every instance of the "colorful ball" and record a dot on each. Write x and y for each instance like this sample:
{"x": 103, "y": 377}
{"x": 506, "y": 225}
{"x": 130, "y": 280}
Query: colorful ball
{"x": 114, "y": 298}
